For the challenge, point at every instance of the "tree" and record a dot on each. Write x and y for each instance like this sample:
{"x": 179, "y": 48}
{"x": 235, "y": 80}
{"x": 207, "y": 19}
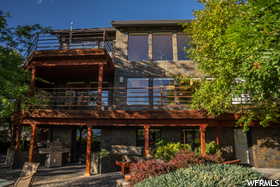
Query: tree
{"x": 237, "y": 43}
{"x": 14, "y": 80}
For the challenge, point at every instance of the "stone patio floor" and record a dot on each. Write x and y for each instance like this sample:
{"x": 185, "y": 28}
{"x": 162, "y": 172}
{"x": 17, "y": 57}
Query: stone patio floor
{"x": 65, "y": 176}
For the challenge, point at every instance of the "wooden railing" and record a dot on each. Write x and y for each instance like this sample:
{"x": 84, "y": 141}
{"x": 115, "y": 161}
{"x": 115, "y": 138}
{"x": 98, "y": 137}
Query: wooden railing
{"x": 155, "y": 98}
{"x": 54, "y": 41}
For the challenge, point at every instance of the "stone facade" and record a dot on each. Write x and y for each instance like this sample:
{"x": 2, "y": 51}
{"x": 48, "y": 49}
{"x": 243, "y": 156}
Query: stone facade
{"x": 265, "y": 147}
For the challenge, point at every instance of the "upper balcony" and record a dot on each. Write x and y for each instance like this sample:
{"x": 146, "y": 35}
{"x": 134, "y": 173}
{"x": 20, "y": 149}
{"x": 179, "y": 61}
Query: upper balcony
{"x": 72, "y": 47}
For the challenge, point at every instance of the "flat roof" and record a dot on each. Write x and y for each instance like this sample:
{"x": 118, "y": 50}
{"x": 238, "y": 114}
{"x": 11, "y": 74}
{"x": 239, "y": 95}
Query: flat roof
{"x": 130, "y": 23}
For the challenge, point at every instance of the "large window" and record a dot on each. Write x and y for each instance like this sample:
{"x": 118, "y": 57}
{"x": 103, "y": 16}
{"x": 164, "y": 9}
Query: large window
{"x": 137, "y": 91}
{"x": 138, "y": 47}
{"x": 182, "y": 46}
{"x": 154, "y": 136}
{"x": 163, "y": 92}
{"x": 162, "y": 47}
{"x": 191, "y": 136}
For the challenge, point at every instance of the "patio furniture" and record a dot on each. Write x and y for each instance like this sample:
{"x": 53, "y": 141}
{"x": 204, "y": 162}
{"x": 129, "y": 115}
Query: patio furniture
{"x": 54, "y": 153}
{"x": 27, "y": 174}
{"x": 128, "y": 160}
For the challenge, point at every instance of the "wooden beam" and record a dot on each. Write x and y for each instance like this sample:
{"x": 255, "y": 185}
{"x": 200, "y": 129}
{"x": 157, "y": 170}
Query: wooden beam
{"x": 32, "y": 142}
{"x": 202, "y": 130}
{"x": 146, "y": 141}
{"x": 33, "y": 79}
{"x": 100, "y": 85}
{"x": 122, "y": 114}
{"x": 88, "y": 151}
{"x": 67, "y": 63}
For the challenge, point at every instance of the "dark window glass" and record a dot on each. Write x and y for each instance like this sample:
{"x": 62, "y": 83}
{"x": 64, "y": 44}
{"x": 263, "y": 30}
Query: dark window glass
{"x": 163, "y": 92}
{"x": 162, "y": 47}
{"x": 137, "y": 91}
{"x": 182, "y": 45}
{"x": 155, "y": 135}
{"x": 137, "y": 47}
{"x": 191, "y": 136}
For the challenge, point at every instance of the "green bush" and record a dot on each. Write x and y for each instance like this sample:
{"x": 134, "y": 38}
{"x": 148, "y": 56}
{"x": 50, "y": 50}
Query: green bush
{"x": 211, "y": 148}
{"x": 166, "y": 151}
{"x": 204, "y": 175}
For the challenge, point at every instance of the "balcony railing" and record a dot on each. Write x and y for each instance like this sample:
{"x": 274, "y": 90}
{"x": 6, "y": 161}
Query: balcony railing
{"x": 54, "y": 41}
{"x": 150, "y": 98}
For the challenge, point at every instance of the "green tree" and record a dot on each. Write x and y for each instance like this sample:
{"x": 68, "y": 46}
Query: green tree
{"x": 14, "y": 79}
{"x": 238, "y": 44}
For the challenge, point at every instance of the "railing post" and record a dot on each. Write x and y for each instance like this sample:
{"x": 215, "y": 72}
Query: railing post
{"x": 33, "y": 79}
{"x": 88, "y": 151}
{"x": 100, "y": 86}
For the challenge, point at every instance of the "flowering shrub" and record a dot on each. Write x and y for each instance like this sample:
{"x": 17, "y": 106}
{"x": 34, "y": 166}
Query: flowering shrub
{"x": 145, "y": 169}
{"x": 183, "y": 159}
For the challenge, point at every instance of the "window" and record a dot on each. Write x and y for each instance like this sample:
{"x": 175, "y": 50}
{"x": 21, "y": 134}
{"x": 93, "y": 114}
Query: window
{"x": 191, "y": 136}
{"x": 182, "y": 45}
{"x": 163, "y": 87}
{"x": 162, "y": 47}
{"x": 137, "y": 47}
{"x": 137, "y": 91}
{"x": 155, "y": 135}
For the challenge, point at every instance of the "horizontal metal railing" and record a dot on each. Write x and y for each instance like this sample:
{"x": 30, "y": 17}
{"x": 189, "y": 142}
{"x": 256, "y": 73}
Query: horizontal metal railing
{"x": 163, "y": 97}
{"x": 55, "y": 41}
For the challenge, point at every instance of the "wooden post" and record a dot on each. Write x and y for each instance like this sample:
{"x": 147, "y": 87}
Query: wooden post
{"x": 202, "y": 130}
{"x": 100, "y": 83}
{"x": 88, "y": 151}
{"x": 32, "y": 142}
{"x": 18, "y": 137}
{"x": 218, "y": 132}
{"x": 146, "y": 140}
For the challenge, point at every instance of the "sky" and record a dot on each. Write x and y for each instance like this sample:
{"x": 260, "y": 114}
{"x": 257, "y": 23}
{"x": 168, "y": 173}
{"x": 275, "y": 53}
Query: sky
{"x": 58, "y": 14}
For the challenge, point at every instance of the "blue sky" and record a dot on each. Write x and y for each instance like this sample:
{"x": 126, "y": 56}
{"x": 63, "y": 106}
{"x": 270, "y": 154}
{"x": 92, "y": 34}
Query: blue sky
{"x": 94, "y": 13}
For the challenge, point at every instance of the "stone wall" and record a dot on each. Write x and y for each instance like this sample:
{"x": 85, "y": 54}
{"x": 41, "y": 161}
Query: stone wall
{"x": 265, "y": 147}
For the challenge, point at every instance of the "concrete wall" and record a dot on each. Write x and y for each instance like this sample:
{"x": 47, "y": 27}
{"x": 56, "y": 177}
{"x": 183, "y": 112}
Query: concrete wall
{"x": 265, "y": 147}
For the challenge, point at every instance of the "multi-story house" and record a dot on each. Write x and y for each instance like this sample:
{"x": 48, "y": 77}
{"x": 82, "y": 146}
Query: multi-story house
{"x": 122, "y": 81}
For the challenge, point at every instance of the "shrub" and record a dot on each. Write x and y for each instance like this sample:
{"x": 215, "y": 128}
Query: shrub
{"x": 204, "y": 175}
{"x": 211, "y": 148}
{"x": 145, "y": 169}
{"x": 166, "y": 151}
{"x": 183, "y": 159}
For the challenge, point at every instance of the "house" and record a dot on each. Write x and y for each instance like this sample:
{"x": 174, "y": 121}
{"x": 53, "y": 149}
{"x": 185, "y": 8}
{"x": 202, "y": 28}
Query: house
{"x": 121, "y": 82}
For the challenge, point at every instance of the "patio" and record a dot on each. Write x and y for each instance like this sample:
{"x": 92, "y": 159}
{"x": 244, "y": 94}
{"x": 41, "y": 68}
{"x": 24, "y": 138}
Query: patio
{"x": 72, "y": 175}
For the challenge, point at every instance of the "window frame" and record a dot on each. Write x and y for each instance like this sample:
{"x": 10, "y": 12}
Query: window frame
{"x": 171, "y": 49}
{"x": 177, "y": 46}
{"x": 147, "y": 43}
